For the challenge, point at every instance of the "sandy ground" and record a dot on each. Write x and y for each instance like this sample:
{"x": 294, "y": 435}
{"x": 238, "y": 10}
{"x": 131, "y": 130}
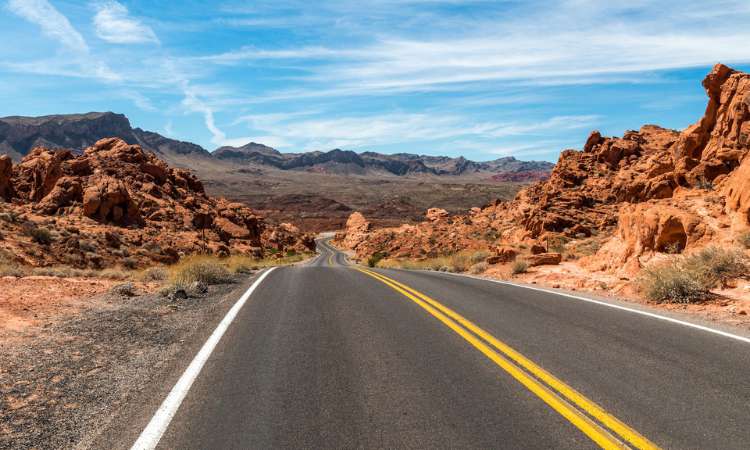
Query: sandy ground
{"x": 72, "y": 353}
{"x": 731, "y": 306}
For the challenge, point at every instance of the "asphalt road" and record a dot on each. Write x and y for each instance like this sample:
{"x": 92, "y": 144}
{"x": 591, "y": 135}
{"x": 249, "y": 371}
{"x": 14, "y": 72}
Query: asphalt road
{"x": 328, "y": 356}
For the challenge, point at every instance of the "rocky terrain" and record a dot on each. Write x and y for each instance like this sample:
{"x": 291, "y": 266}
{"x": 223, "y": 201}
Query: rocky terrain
{"x": 118, "y": 204}
{"x": 615, "y": 206}
{"x": 315, "y": 191}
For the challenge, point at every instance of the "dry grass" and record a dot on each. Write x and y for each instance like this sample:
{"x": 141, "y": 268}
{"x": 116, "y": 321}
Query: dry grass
{"x": 689, "y": 279}
{"x": 204, "y": 269}
{"x": 456, "y": 262}
{"x": 519, "y": 266}
{"x": 478, "y": 268}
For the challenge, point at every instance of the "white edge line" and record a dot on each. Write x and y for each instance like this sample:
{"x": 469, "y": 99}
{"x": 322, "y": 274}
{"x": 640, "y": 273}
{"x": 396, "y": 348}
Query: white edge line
{"x": 153, "y": 432}
{"x": 610, "y": 305}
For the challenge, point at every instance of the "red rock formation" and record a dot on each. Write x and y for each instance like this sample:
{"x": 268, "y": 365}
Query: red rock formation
{"x": 652, "y": 190}
{"x": 115, "y": 189}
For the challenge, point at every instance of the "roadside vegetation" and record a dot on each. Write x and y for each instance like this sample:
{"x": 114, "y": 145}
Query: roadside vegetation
{"x": 194, "y": 272}
{"x": 456, "y": 262}
{"x": 690, "y": 278}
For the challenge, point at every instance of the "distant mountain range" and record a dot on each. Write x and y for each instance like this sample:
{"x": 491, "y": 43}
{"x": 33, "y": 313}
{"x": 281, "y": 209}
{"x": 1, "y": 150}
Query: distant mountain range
{"x": 18, "y": 135}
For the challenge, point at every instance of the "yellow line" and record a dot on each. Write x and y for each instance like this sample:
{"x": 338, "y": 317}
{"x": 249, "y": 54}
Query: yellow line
{"x": 330, "y": 260}
{"x": 566, "y": 391}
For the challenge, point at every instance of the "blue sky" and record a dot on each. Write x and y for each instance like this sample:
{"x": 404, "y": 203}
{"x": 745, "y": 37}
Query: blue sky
{"x": 482, "y": 79}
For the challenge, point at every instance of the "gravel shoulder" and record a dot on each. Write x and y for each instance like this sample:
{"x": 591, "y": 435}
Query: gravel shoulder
{"x": 91, "y": 376}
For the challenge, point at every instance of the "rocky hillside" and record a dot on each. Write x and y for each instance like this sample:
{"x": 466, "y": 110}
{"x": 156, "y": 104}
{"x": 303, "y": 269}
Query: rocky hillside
{"x": 649, "y": 192}
{"x": 118, "y": 204}
{"x": 345, "y": 162}
{"x": 19, "y": 135}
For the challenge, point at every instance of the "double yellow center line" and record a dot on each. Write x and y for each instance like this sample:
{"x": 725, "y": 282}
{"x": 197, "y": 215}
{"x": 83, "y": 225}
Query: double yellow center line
{"x": 603, "y": 428}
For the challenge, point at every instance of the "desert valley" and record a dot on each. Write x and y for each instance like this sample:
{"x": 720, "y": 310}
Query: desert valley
{"x": 406, "y": 225}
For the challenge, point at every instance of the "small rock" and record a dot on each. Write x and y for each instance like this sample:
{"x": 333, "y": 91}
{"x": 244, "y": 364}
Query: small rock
{"x": 742, "y": 312}
{"x": 124, "y": 289}
{"x": 198, "y": 287}
{"x": 178, "y": 294}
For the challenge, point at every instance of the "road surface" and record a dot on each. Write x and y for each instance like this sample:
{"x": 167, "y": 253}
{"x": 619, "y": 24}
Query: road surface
{"x": 331, "y": 355}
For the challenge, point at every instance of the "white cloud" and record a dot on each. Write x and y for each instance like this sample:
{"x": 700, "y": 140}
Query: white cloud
{"x": 385, "y": 129}
{"x": 114, "y": 24}
{"x": 574, "y": 41}
{"x": 51, "y": 21}
{"x": 78, "y": 62}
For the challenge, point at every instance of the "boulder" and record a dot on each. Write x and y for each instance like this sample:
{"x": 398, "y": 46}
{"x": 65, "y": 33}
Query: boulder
{"x": 229, "y": 230}
{"x": 503, "y": 254}
{"x": 543, "y": 259}
{"x": 108, "y": 200}
{"x": 67, "y": 190}
{"x": 436, "y": 214}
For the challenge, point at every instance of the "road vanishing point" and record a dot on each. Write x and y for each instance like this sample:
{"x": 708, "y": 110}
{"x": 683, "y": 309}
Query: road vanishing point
{"x": 332, "y": 355}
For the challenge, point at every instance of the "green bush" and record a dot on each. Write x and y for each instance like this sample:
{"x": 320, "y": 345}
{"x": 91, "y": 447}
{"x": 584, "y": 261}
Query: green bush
{"x": 519, "y": 266}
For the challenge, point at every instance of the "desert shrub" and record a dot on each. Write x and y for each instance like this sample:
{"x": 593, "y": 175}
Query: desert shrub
{"x": 715, "y": 266}
{"x": 374, "y": 259}
{"x": 479, "y": 256}
{"x": 10, "y": 217}
{"x": 291, "y": 253}
{"x": 41, "y": 235}
{"x": 124, "y": 290}
{"x": 744, "y": 239}
{"x": 130, "y": 263}
{"x": 519, "y": 266}
{"x": 87, "y": 246}
{"x": 690, "y": 278}
{"x": 478, "y": 268}
{"x": 204, "y": 269}
{"x": 671, "y": 283}
{"x": 154, "y": 274}
{"x": 10, "y": 268}
{"x": 459, "y": 262}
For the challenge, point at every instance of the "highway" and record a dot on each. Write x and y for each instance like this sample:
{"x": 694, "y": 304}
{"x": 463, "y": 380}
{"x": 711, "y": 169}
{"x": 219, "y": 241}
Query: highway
{"x": 334, "y": 355}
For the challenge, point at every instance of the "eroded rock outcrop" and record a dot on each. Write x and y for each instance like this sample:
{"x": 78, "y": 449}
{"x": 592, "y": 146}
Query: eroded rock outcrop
{"x": 117, "y": 193}
{"x": 652, "y": 191}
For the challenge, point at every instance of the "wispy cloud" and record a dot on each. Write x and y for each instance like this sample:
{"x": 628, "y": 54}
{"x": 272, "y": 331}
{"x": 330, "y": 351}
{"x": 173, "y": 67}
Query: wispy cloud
{"x": 572, "y": 40}
{"x": 78, "y": 63}
{"x": 114, "y": 24}
{"x": 383, "y": 129}
{"x": 52, "y": 23}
